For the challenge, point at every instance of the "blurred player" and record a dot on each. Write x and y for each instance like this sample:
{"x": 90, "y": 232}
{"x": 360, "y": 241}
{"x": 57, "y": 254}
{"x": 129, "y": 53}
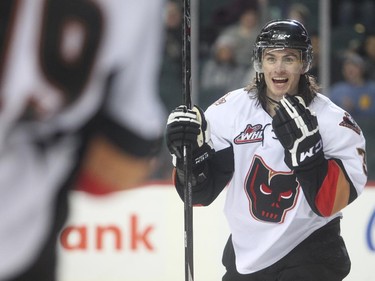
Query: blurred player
{"x": 78, "y": 83}
{"x": 290, "y": 158}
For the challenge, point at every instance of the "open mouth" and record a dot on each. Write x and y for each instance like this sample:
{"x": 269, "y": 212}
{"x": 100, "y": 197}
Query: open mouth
{"x": 279, "y": 80}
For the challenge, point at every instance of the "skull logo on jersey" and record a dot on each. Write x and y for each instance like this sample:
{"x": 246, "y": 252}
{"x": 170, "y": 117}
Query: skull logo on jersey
{"x": 271, "y": 194}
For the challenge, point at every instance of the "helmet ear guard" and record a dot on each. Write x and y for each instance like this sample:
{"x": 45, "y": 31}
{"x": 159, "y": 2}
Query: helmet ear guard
{"x": 283, "y": 34}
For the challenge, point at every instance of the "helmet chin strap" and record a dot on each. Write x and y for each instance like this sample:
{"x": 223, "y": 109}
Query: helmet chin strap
{"x": 271, "y": 106}
{"x": 272, "y": 100}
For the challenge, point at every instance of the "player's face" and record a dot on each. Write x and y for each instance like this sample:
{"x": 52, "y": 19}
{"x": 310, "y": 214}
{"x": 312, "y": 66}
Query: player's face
{"x": 282, "y": 70}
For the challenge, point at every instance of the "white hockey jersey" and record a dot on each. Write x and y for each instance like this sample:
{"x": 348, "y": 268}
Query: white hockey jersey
{"x": 266, "y": 209}
{"x": 61, "y": 63}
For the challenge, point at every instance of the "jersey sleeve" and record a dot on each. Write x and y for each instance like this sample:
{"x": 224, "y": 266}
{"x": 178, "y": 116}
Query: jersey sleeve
{"x": 343, "y": 140}
{"x": 134, "y": 114}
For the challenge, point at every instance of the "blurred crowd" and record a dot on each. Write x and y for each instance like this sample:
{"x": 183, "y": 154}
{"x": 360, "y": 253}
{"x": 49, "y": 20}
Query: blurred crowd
{"x": 227, "y": 32}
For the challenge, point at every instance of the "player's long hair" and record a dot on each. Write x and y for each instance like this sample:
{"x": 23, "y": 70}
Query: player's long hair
{"x": 307, "y": 88}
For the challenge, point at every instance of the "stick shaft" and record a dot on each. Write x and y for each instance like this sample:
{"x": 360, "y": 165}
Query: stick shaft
{"x": 186, "y": 54}
{"x": 188, "y": 206}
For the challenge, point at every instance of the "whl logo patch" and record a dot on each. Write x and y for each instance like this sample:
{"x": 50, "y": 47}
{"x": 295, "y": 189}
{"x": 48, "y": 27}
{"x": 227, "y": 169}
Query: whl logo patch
{"x": 251, "y": 134}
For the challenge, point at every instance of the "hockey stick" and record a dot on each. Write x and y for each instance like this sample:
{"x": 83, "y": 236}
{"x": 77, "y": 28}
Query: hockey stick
{"x": 188, "y": 206}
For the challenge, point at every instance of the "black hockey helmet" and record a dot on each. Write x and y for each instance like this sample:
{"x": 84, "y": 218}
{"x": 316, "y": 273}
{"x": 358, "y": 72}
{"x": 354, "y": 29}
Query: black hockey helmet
{"x": 283, "y": 34}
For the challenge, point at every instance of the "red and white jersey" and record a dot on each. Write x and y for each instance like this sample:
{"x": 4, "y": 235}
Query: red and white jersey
{"x": 62, "y": 62}
{"x": 266, "y": 209}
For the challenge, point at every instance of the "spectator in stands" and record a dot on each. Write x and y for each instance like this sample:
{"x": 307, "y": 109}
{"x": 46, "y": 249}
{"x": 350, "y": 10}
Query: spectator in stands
{"x": 222, "y": 16}
{"x": 244, "y": 32}
{"x": 299, "y": 12}
{"x": 221, "y": 72}
{"x": 367, "y": 51}
{"x": 355, "y": 93}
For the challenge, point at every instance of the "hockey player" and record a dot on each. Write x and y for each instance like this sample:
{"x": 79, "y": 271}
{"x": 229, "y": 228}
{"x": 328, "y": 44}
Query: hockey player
{"x": 291, "y": 161}
{"x": 78, "y": 90}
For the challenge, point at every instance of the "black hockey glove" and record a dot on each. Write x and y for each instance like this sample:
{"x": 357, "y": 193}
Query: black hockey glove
{"x": 297, "y": 130}
{"x": 188, "y": 127}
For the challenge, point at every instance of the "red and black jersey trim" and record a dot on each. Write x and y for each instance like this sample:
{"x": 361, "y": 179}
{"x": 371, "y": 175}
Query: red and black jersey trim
{"x": 319, "y": 185}
{"x": 353, "y": 192}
